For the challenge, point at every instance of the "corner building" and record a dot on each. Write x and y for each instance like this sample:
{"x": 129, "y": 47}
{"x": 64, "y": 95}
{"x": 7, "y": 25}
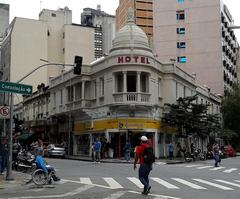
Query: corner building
{"x": 121, "y": 97}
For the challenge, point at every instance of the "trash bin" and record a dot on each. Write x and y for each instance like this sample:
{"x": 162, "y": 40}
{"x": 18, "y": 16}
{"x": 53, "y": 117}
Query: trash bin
{"x": 110, "y": 153}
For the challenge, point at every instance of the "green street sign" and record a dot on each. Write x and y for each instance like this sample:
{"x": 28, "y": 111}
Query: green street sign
{"x": 15, "y": 88}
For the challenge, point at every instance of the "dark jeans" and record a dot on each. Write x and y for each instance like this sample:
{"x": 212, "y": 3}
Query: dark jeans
{"x": 3, "y": 163}
{"x": 143, "y": 174}
{"x": 217, "y": 159}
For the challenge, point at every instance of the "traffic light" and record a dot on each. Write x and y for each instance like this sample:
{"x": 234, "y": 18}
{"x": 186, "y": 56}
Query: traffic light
{"x": 77, "y": 65}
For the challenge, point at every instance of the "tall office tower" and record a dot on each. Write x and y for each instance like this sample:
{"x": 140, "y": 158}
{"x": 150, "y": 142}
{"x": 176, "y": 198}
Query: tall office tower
{"x": 199, "y": 37}
{"x": 143, "y": 11}
{"x": 104, "y": 25}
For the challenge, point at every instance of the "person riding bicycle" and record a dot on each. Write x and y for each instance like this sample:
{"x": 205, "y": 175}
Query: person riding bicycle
{"x": 41, "y": 164}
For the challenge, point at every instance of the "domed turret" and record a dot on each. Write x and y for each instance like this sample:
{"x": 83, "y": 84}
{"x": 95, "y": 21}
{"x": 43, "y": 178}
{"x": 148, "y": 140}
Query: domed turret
{"x": 130, "y": 37}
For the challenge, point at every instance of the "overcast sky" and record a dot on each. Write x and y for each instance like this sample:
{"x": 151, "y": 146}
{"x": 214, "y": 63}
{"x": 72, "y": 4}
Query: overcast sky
{"x": 31, "y": 8}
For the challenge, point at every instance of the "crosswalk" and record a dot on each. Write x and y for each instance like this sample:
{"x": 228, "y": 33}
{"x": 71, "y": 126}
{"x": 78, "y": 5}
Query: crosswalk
{"x": 158, "y": 183}
{"x": 207, "y": 167}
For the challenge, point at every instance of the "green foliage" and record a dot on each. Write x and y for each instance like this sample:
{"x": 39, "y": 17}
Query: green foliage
{"x": 231, "y": 115}
{"x": 191, "y": 118}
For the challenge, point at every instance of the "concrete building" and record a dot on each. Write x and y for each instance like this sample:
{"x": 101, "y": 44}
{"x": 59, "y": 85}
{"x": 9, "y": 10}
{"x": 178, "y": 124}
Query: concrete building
{"x": 198, "y": 36}
{"x": 4, "y": 22}
{"x": 143, "y": 10}
{"x": 104, "y": 25}
{"x": 53, "y": 38}
{"x": 4, "y": 18}
{"x": 121, "y": 97}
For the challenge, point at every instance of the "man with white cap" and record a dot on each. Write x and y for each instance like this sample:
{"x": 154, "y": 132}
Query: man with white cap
{"x": 145, "y": 163}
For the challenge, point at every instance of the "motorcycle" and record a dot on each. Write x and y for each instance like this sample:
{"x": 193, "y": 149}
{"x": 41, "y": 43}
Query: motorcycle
{"x": 25, "y": 161}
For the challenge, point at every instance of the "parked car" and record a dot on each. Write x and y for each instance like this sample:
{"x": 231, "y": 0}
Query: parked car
{"x": 55, "y": 150}
{"x": 230, "y": 151}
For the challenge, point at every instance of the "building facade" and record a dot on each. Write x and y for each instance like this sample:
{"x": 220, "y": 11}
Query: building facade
{"x": 143, "y": 11}
{"x": 198, "y": 36}
{"x": 104, "y": 25}
{"x": 121, "y": 97}
{"x": 50, "y": 38}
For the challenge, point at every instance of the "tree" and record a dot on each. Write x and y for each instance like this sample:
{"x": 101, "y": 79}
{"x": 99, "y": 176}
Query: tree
{"x": 231, "y": 115}
{"x": 191, "y": 118}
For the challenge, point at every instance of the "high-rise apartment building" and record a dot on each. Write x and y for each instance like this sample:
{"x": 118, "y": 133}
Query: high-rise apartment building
{"x": 143, "y": 11}
{"x": 53, "y": 37}
{"x": 104, "y": 25}
{"x": 197, "y": 35}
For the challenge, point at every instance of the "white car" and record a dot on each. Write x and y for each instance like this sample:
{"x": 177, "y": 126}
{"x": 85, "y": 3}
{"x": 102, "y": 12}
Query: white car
{"x": 55, "y": 150}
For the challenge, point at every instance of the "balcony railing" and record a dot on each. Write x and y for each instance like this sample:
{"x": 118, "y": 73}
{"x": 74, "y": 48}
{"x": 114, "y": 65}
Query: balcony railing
{"x": 131, "y": 97}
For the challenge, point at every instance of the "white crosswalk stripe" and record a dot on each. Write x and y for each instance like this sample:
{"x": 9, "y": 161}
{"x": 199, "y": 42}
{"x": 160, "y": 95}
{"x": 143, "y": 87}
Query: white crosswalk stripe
{"x": 136, "y": 182}
{"x": 113, "y": 183}
{"x": 165, "y": 183}
{"x": 193, "y": 165}
{"x": 204, "y": 167}
{"x": 213, "y": 184}
{"x": 229, "y": 183}
{"x": 230, "y": 170}
{"x": 86, "y": 181}
{"x": 217, "y": 168}
{"x": 160, "y": 163}
{"x": 185, "y": 182}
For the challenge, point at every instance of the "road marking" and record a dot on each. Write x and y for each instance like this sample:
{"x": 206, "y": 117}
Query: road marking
{"x": 135, "y": 181}
{"x": 86, "y": 181}
{"x": 229, "y": 183}
{"x": 194, "y": 186}
{"x": 193, "y": 165}
{"x": 165, "y": 183}
{"x": 204, "y": 167}
{"x": 230, "y": 170}
{"x": 156, "y": 196}
{"x": 113, "y": 183}
{"x": 217, "y": 168}
{"x": 116, "y": 195}
{"x": 72, "y": 193}
{"x": 160, "y": 163}
{"x": 213, "y": 184}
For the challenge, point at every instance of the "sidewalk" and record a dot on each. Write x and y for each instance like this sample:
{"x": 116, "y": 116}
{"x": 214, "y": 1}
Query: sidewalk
{"x": 122, "y": 160}
{"x": 19, "y": 180}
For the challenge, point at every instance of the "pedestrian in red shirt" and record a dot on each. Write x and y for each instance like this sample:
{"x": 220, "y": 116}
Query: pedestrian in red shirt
{"x": 144, "y": 168}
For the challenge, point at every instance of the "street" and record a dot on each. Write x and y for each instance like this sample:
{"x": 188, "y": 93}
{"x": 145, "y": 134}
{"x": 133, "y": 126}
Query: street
{"x": 88, "y": 180}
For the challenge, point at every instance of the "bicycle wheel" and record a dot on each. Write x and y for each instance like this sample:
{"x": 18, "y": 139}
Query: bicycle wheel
{"x": 39, "y": 177}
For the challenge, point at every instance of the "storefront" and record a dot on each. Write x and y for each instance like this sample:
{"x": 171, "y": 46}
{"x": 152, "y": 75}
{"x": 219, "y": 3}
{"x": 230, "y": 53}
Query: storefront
{"x": 115, "y": 132}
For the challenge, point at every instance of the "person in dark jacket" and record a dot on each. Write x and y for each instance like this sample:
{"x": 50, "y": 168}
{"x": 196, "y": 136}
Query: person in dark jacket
{"x": 3, "y": 155}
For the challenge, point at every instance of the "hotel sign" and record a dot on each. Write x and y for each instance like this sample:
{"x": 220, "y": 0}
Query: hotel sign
{"x": 133, "y": 59}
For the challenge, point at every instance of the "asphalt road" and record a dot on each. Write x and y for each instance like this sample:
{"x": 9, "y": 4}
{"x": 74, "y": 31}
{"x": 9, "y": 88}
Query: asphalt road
{"x": 87, "y": 180}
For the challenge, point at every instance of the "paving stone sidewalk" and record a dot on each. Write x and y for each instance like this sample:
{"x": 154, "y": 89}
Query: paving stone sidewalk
{"x": 19, "y": 180}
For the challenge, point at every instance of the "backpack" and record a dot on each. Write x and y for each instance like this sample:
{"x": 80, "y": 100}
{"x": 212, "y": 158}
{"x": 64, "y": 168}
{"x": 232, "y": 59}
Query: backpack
{"x": 148, "y": 155}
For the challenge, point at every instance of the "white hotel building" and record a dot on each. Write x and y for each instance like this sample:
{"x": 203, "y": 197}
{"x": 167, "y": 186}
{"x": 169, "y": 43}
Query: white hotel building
{"x": 120, "y": 97}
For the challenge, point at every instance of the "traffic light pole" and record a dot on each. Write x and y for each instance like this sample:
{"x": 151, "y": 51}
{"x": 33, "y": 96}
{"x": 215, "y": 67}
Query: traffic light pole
{"x": 9, "y": 175}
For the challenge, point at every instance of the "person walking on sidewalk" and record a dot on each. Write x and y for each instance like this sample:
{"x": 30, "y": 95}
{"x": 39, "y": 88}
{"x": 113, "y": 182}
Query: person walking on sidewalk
{"x": 215, "y": 151}
{"x": 144, "y": 155}
{"x": 3, "y": 155}
{"x": 97, "y": 149}
{"x": 127, "y": 151}
{"x": 170, "y": 150}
